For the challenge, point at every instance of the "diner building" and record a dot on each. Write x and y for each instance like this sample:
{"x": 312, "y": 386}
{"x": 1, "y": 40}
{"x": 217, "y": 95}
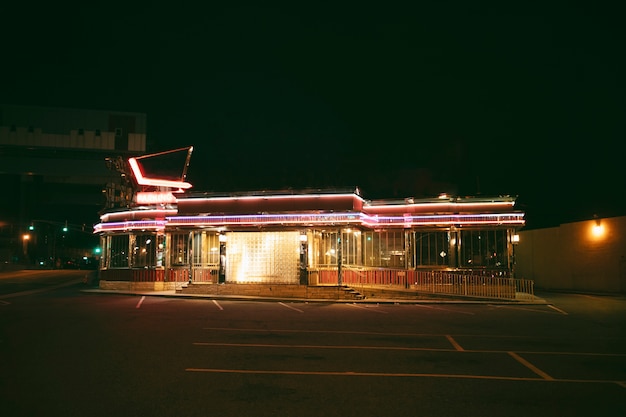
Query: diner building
{"x": 169, "y": 236}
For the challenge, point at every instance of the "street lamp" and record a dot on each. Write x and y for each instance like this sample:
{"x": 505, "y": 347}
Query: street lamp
{"x": 25, "y": 239}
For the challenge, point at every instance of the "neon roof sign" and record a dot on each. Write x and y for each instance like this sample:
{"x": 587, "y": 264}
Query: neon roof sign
{"x": 141, "y": 179}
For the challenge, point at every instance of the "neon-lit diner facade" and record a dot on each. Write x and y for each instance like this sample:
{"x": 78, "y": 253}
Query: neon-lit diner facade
{"x": 170, "y": 236}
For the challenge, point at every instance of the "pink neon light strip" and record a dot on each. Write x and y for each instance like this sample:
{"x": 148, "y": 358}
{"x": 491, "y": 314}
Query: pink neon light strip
{"x": 141, "y": 180}
{"x": 506, "y": 218}
{"x": 318, "y": 219}
{"x": 130, "y": 225}
{"x": 278, "y": 197}
{"x": 266, "y": 219}
{"x": 109, "y": 217}
{"x": 448, "y": 206}
{"x": 460, "y": 219}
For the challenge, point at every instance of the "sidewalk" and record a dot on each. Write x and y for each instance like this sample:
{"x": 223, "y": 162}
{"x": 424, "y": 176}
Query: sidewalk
{"x": 367, "y": 300}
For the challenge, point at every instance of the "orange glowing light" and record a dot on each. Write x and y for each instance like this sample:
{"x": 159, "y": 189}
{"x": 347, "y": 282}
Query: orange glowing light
{"x": 597, "y": 230}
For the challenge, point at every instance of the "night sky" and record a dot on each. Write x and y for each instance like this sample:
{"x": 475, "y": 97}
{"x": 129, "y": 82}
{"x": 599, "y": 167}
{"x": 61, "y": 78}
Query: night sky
{"x": 399, "y": 100}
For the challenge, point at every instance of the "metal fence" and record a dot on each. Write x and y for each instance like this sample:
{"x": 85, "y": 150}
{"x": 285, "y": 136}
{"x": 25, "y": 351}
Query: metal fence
{"x": 495, "y": 284}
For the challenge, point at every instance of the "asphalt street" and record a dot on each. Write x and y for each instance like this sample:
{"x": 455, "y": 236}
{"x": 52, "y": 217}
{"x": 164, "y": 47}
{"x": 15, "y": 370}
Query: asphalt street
{"x": 72, "y": 352}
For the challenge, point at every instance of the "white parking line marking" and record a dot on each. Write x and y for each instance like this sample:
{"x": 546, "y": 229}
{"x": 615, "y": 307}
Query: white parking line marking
{"x": 388, "y": 374}
{"x": 423, "y": 349}
{"x": 4, "y": 302}
{"x": 140, "y": 301}
{"x": 530, "y": 366}
{"x": 293, "y": 308}
{"x": 444, "y": 309}
{"x": 368, "y": 309}
{"x": 520, "y": 308}
{"x": 338, "y": 347}
{"x": 454, "y": 343}
{"x": 230, "y": 329}
{"x": 558, "y": 309}
{"x": 218, "y": 305}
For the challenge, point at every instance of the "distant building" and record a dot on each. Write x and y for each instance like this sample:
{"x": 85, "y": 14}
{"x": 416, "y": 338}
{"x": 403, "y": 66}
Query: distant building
{"x": 53, "y": 165}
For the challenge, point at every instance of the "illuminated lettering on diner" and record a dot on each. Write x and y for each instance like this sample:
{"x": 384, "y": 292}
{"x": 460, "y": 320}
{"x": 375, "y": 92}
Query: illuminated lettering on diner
{"x": 157, "y": 197}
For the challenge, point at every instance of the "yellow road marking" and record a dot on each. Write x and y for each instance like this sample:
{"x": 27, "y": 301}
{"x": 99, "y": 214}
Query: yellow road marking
{"x": 454, "y": 343}
{"x": 530, "y": 366}
{"x": 268, "y": 345}
{"x": 396, "y": 374}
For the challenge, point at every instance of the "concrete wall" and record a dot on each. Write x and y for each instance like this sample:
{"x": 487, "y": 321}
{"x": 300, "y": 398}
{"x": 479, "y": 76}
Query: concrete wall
{"x": 572, "y": 257}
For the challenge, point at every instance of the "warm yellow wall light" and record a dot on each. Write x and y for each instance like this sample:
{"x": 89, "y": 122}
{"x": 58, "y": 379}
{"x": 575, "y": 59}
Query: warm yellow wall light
{"x": 598, "y": 228}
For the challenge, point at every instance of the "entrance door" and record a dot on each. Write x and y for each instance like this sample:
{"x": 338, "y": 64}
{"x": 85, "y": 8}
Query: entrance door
{"x": 205, "y": 256}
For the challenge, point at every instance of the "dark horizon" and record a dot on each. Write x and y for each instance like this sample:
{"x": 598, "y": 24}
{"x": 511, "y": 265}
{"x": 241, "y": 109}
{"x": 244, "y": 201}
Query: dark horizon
{"x": 407, "y": 102}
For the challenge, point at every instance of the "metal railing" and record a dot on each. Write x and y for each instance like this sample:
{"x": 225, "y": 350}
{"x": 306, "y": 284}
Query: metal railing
{"x": 494, "y": 284}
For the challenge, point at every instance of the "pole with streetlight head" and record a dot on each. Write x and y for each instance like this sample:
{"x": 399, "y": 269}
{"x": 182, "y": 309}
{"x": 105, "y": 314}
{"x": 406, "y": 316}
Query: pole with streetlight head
{"x": 25, "y": 240}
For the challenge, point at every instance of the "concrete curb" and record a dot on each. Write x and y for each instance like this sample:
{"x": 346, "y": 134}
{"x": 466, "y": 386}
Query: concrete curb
{"x": 173, "y": 294}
